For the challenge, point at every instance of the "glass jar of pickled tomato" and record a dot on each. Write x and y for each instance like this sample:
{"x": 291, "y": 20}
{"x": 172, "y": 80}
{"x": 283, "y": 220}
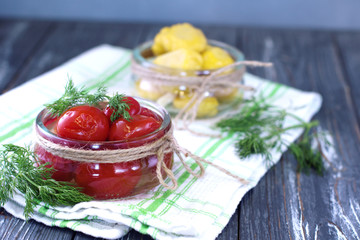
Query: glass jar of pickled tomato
{"x": 106, "y": 180}
{"x": 215, "y": 100}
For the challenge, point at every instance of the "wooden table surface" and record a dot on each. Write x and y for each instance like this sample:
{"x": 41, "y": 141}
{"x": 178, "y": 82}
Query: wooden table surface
{"x": 285, "y": 204}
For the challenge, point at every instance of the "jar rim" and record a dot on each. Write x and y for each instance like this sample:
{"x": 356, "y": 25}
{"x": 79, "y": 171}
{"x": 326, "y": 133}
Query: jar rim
{"x": 158, "y": 109}
{"x": 145, "y": 48}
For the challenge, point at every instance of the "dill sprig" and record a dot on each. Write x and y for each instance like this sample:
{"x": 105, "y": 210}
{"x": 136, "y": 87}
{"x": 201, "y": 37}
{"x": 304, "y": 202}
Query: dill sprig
{"x": 73, "y": 96}
{"x": 20, "y": 169}
{"x": 119, "y": 106}
{"x": 78, "y": 96}
{"x": 306, "y": 156}
{"x": 259, "y": 127}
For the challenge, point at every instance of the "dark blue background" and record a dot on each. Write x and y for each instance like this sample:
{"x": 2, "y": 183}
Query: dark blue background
{"x": 315, "y": 14}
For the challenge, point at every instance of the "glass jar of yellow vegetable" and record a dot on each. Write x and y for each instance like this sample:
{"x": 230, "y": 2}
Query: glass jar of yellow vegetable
{"x": 172, "y": 67}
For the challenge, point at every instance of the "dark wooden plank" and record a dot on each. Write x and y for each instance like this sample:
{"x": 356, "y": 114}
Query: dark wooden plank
{"x": 231, "y": 231}
{"x": 347, "y": 46}
{"x": 259, "y": 214}
{"x": 14, "y": 228}
{"x": 309, "y": 206}
{"x": 69, "y": 39}
{"x": 337, "y": 216}
{"x": 18, "y": 41}
{"x": 226, "y": 34}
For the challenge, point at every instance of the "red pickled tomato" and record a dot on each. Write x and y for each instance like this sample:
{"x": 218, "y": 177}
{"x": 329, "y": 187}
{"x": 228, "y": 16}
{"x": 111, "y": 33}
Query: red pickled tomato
{"x": 85, "y": 123}
{"x": 134, "y": 107}
{"x": 108, "y": 180}
{"x": 133, "y": 104}
{"x": 138, "y": 126}
{"x": 64, "y": 168}
{"x": 147, "y": 112}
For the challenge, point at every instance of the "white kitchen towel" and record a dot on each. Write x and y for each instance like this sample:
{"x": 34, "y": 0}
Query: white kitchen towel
{"x": 198, "y": 208}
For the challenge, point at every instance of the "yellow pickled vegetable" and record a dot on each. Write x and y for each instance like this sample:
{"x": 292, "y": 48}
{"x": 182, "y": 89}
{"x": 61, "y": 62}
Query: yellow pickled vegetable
{"x": 182, "y": 46}
{"x": 146, "y": 89}
{"x": 181, "y": 59}
{"x": 182, "y": 35}
{"x": 207, "y": 108}
{"x": 160, "y": 40}
{"x": 215, "y": 57}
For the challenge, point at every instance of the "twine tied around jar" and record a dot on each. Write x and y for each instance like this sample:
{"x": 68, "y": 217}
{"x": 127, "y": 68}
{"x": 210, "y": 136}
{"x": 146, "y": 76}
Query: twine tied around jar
{"x": 219, "y": 80}
{"x": 166, "y": 144}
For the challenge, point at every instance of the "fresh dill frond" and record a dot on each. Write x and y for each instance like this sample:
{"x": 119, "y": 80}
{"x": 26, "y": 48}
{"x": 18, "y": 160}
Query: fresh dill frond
{"x": 20, "y": 169}
{"x": 306, "y": 157}
{"x": 119, "y": 106}
{"x": 78, "y": 96}
{"x": 74, "y": 96}
{"x": 259, "y": 126}
{"x": 253, "y": 144}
